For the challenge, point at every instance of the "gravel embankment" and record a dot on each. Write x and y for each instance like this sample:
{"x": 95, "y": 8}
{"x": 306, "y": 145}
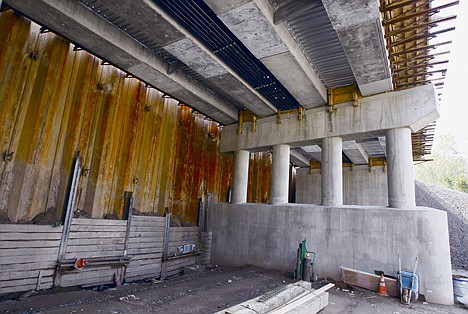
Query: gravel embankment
{"x": 456, "y": 205}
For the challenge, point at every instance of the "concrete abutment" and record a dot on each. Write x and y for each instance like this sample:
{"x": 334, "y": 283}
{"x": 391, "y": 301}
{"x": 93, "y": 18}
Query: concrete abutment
{"x": 366, "y": 238}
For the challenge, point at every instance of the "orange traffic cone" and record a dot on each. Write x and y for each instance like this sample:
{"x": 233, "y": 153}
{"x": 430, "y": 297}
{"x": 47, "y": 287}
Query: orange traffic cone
{"x": 382, "y": 286}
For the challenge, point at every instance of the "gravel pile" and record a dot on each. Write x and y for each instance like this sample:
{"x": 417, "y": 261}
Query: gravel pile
{"x": 456, "y": 205}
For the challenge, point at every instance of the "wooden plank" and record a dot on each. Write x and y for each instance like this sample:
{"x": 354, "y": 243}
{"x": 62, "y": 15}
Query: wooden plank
{"x": 157, "y": 224}
{"x": 150, "y": 271}
{"x": 101, "y": 234}
{"x": 29, "y": 251}
{"x": 148, "y": 218}
{"x": 142, "y": 277}
{"x": 4, "y": 260}
{"x": 29, "y": 228}
{"x": 95, "y": 248}
{"x": 367, "y": 280}
{"x": 90, "y": 272}
{"x": 30, "y": 266}
{"x": 144, "y": 251}
{"x": 46, "y": 284}
{"x": 144, "y": 245}
{"x": 183, "y": 229}
{"x": 142, "y": 235}
{"x": 180, "y": 263}
{"x": 16, "y": 236}
{"x": 22, "y": 274}
{"x": 143, "y": 240}
{"x": 29, "y": 244}
{"x": 98, "y": 222}
{"x": 22, "y": 281}
{"x": 93, "y": 254}
{"x": 135, "y": 263}
{"x": 110, "y": 229}
{"x": 95, "y": 241}
{"x": 67, "y": 282}
{"x": 134, "y": 229}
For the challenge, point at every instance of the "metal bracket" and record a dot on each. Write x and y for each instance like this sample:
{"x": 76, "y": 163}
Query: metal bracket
{"x": 241, "y": 118}
{"x": 254, "y": 124}
{"x": 301, "y": 113}
{"x": 355, "y": 96}
{"x": 330, "y": 101}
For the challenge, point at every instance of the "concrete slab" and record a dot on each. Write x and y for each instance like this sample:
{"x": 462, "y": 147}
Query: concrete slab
{"x": 189, "y": 53}
{"x": 252, "y": 28}
{"x": 413, "y": 108}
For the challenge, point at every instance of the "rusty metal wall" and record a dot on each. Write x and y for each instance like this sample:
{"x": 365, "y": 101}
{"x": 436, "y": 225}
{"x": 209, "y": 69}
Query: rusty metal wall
{"x": 56, "y": 102}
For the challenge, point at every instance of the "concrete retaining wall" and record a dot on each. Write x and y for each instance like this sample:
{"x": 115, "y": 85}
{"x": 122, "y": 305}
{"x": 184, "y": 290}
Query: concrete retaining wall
{"x": 364, "y": 238}
{"x": 361, "y": 186}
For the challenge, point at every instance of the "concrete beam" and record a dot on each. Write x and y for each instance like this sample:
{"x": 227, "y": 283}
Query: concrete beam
{"x": 269, "y": 108}
{"x": 363, "y": 42}
{"x": 298, "y": 159}
{"x": 316, "y": 86}
{"x": 355, "y": 152}
{"x": 412, "y": 108}
{"x": 80, "y": 25}
{"x": 274, "y": 46}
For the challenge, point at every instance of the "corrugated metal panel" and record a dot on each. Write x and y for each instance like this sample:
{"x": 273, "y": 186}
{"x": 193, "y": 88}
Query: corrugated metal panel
{"x": 313, "y": 31}
{"x": 56, "y": 102}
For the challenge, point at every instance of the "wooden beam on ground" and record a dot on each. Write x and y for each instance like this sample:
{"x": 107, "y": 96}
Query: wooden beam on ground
{"x": 368, "y": 281}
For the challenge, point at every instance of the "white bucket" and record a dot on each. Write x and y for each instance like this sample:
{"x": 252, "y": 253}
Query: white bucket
{"x": 460, "y": 283}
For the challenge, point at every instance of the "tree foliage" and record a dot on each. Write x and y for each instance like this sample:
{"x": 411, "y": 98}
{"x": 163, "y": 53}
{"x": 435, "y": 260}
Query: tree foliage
{"x": 448, "y": 167}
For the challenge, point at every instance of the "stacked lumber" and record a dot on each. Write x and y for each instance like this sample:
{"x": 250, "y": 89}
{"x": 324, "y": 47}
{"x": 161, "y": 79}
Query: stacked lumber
{"x": 145, "y": 247}
{"x": 28, "y": 257}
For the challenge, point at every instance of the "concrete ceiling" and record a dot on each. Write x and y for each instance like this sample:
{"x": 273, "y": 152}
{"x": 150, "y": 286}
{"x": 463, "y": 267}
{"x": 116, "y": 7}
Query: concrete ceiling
{"x": 308, "y": 46}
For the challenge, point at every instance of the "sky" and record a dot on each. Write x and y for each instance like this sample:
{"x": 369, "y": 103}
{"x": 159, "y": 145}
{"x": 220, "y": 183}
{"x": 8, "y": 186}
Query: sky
{"x": 454, "y": 99}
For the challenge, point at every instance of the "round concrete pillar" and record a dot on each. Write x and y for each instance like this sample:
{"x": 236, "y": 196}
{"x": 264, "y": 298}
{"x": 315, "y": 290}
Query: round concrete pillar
{"x": 240, "y": 177}
{"x": 279, "y": 188}
{"x": 332, "y": 171}
{"x": 400, "y": 171}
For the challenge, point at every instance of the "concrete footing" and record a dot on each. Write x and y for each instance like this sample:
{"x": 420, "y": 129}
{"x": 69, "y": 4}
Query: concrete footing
{"x": 362, "y": 238}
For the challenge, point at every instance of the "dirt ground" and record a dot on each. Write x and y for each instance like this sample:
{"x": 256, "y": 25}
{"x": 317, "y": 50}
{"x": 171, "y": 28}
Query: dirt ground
{"x": 206, "y": 291}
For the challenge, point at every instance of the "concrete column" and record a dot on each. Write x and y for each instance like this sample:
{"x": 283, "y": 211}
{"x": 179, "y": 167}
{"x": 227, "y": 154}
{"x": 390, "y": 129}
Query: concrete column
{"x": 400, "y": 172}
{"x": 240, "y": 177}
{"x": 332, "y": 171}
{"x": 279, "y": 188}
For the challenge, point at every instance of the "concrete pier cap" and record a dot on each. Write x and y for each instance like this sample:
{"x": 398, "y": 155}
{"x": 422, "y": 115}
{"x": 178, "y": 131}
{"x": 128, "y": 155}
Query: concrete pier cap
{"x": 412, "y": 108}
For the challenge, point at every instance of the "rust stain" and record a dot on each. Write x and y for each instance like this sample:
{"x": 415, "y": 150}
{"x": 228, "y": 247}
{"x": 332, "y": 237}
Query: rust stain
{"x": 56, "y": 103}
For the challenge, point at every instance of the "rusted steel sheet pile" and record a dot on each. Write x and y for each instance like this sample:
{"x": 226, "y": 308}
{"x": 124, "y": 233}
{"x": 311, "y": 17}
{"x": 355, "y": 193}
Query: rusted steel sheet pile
{"x": 58, "y": 101}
